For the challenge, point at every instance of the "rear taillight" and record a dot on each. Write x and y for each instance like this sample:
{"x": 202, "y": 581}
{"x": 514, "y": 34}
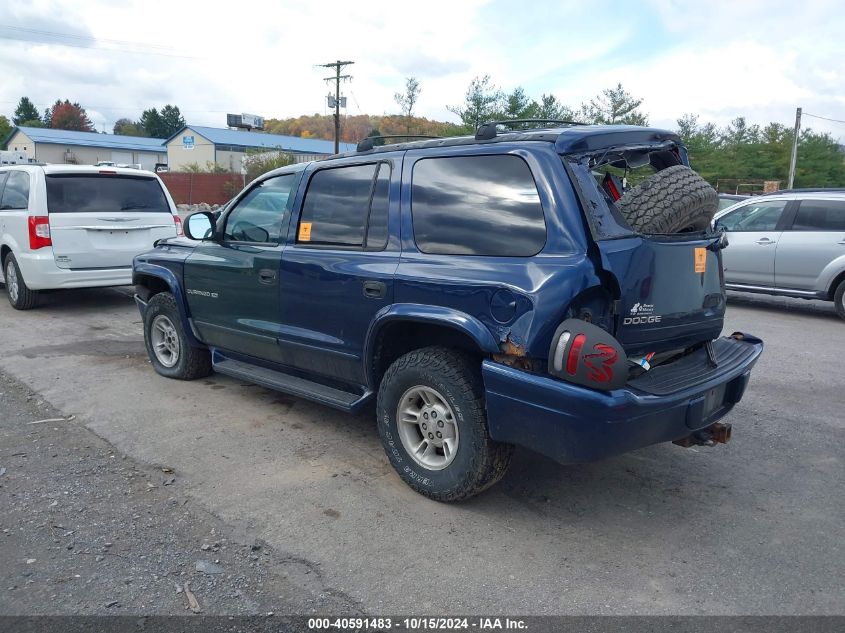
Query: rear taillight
{"x": 178, "y": 222}
{"x": 587, "y": 355}
{"x": 575, "y": 354}
{"x": 39, "y": 232}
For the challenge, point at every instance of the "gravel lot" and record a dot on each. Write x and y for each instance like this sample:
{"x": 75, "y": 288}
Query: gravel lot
{"x": 754, "y": 527}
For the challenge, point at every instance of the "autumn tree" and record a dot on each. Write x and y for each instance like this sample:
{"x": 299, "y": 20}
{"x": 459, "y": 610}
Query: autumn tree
{"x": 612, "y": 106}
{"x": 408, "y": 99}
{"x": 26, "y": 112}
{"x": 65, "y": 115}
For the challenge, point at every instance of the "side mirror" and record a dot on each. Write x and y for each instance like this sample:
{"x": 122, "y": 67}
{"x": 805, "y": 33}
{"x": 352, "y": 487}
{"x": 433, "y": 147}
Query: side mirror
{"x": 201, "y": 225}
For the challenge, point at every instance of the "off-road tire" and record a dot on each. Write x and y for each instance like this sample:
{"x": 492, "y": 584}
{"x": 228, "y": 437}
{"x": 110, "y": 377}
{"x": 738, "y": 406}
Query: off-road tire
{"x": 839, "y": 299}
{"x": 193, "y": 362}
{"x": 674, "y": 200}
{"x": 26, "y": 299}
{"x": 479, "y": 462}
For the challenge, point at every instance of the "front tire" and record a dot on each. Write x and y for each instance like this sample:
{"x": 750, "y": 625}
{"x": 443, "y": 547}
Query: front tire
{"x": 20, "y": 296}
{"x": 839, "y": 299}
{"x": 433, "y": 425}
{"x": 168, "y": 347}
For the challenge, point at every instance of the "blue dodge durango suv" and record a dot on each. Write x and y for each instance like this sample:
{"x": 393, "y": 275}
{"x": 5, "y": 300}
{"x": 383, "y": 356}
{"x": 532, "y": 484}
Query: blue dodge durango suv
{"x": 556, "y": 287}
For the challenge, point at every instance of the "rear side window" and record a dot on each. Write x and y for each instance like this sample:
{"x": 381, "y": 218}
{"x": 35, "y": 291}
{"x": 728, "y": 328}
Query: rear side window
{"x": 477, "y": 205}
{"x": 820, "y": 215}
{"x": 346, "y": 207}
{"x": 91, "y": 193}
{"x": 16, "y": 191}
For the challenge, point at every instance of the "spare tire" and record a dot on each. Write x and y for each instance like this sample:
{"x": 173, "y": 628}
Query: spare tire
{"x": 674, "y": 200}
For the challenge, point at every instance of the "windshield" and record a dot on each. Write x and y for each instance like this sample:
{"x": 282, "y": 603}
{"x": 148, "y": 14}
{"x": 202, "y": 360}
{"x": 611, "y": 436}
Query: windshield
{"x": 93, "y": 193}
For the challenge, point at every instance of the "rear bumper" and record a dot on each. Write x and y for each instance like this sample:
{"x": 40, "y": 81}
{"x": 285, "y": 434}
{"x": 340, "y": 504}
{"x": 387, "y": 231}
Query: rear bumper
{"x": 574, "y": 424}
{"x": 40, "y": 272}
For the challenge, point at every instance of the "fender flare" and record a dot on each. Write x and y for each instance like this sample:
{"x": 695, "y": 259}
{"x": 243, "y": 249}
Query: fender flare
{"x": 434, "y": 315}
{"x": 169, "y": 277}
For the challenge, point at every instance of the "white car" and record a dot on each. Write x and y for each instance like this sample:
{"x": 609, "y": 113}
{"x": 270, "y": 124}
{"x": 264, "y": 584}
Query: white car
{"x": 69, "y": 226}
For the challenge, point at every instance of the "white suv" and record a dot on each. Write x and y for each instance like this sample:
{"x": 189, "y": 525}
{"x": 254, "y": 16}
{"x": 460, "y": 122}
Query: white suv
{"x": 68, "y": 226}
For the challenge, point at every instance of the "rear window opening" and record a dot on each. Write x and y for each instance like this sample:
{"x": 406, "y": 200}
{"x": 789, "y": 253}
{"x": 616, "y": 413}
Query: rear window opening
{"x": 646, "y": 190}
{"x": 92, "y": 193}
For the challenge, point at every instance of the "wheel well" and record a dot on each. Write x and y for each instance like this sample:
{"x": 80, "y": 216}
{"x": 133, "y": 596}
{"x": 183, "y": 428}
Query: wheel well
{"x": 146, "y": 286}
{"x": 838, "y": 280}
{"x": 4, "y": 250}
{"x": 400, "y": 337}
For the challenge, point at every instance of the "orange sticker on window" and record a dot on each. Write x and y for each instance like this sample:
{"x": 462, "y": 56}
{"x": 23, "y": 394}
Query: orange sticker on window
{"x": 700, "y": 260}
{"x": 304, "y": 232}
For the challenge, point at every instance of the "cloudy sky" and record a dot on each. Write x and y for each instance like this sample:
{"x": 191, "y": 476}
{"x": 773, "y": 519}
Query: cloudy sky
{"x": 717, "y": 59}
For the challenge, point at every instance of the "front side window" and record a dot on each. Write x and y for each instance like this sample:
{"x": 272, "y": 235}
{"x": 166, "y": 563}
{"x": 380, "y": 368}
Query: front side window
{"x": 257, "y": 217}
{"x": 16, "y": 191}
{"x": 820, "y": 215}
{"x": 756, "y": 216}
{"x": 477, "y": 205}
{"x": 346, "y": 207}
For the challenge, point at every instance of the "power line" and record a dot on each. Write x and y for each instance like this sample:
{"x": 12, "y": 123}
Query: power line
{"x": 86, "y": 37}
{"x": 93, "y": 46}
{"x": 816, "y": 116}
{"x": 338, "y": 66}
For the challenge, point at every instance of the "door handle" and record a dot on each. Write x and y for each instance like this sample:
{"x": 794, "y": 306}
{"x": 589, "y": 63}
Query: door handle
{"x": 841, "y": 242}
{"x": 375, "y": 289}
{"x": 266, "y": 276}
{"x": 764, "y": 241}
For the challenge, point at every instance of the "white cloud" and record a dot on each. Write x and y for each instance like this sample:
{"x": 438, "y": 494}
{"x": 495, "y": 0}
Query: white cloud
{"x": 720, "y": 60}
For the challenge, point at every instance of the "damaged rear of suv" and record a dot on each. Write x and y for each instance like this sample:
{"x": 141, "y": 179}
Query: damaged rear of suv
{"x": 557, "y": 288}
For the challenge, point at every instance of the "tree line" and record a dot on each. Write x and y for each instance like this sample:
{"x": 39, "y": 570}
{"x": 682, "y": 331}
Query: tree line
{"x": 738, "y": 152}
{"x": 64, "y": 115}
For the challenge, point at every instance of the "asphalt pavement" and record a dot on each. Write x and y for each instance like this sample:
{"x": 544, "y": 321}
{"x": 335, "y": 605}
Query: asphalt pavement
{"x": 753, "y": 527}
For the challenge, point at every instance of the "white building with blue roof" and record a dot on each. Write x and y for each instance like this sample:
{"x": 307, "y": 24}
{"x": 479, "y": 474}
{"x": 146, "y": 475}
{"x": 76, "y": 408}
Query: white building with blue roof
{"x": 47, "y": 145}
{"x": 195, "y": 144}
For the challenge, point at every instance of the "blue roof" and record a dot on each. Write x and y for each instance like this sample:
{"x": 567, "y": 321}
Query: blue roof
{"x": 257, "y": 140}
{"x": 92, "y": 139}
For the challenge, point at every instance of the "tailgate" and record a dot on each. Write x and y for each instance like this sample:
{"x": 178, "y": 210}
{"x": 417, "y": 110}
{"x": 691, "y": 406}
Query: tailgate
{"x": 104, "y": 220}
{"x": 671, "y": 290}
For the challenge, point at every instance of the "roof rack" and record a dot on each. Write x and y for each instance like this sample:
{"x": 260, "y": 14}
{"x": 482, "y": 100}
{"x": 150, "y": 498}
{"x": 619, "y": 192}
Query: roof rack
{"x": 487, "y": 131}
{"x": 368, "y": 143}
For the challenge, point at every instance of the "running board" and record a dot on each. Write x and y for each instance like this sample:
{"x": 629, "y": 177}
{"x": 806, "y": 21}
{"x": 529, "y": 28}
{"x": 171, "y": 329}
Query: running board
{"x": 294, "y": 385}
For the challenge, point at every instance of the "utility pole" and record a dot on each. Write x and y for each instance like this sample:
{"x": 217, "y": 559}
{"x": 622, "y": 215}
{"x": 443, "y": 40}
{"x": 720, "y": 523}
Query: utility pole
{"x": 338, "y": 66}
{"x": 794, "y": 158}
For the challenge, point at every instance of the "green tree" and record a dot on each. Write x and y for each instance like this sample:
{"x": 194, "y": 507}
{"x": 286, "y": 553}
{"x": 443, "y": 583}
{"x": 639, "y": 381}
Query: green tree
{"x": 482, "y": 102}
{"x": 259, "y": 162}
{"x": 126, "y": 127}
{"x": 151, "y": 122}
{"x": 5, "y": 129}
{"x": 171, "y": 121}
{"x": 518, "y": 105}
{"x": 552, "y": 109}
{"x": 25, "y": 112}
{"x": 162, "y": 124}
{"x": 408, "y": 99}
{"x": 612, "y": 106}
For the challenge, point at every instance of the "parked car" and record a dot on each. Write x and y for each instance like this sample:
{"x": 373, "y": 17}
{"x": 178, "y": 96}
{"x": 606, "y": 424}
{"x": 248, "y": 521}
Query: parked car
{"x": 729, "y": 199}
{"x": 67, "y": 226}
{"x": 790, "y": 243}
{"x": 484, "y": 291}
